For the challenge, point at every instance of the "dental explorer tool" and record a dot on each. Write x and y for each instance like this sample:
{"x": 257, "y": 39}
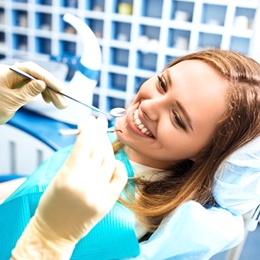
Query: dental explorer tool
{"x": 115, "y": 112}
{"x": 76, "y": 131}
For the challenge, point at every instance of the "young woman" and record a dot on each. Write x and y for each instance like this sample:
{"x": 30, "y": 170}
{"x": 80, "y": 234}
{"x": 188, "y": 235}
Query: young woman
{"x": 182, "y": 124}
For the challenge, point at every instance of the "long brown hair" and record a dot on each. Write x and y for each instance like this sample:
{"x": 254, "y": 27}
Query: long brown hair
{"x": 193, "y": 180}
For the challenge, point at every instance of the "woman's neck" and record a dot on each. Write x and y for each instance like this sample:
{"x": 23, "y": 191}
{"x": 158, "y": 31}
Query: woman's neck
{"x": 143, "y": 160}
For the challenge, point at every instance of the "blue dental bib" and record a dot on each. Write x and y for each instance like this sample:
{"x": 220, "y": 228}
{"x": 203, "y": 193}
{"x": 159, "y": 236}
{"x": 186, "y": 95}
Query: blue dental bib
{"x": 112, "y": 238}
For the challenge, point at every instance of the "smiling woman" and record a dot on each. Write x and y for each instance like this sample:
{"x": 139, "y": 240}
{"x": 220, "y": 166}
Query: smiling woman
{"x": 179, "y": 130}
{"x": 184, "y": 124}
{"x": 220, "y": 94}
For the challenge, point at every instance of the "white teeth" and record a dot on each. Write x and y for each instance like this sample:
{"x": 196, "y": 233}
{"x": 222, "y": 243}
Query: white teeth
{"x": 140, "y": 125}
{"x": 138, "y": 121}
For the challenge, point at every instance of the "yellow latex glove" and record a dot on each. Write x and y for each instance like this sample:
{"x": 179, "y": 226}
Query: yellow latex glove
{"x": 16, "y": 90}
{"x": 81, "y": 194}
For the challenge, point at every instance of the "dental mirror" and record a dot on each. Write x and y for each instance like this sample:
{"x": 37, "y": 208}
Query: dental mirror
{"x": 115, "y": 112}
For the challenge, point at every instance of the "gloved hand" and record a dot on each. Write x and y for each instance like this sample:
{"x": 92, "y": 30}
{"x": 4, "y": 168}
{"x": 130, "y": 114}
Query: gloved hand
{"x": 81, "y": 194}
{"x": 16, "y": 91}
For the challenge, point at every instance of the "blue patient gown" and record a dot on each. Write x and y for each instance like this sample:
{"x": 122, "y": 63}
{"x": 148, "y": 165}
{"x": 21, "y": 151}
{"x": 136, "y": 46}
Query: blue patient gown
{"x": 190, "y": 232}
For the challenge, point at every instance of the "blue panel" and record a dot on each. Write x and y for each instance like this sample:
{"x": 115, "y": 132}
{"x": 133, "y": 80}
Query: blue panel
{"x": 42, "y": 128}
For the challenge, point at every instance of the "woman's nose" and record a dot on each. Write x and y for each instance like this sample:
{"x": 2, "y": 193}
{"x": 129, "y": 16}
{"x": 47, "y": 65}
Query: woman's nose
{"x": 152, "y": 107}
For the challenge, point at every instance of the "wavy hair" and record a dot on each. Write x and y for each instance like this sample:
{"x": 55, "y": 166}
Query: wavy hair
{"x": 190, "y": 180}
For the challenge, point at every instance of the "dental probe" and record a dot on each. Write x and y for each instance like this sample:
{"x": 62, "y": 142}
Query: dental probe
{"x": 115, "y": 112}
{"x": 76, "y": 131}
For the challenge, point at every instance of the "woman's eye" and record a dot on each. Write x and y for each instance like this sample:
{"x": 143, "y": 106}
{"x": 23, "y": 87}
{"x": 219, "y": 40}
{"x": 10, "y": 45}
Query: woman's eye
{"x": 179, "y": 121}
{"x": 161, "y": 83}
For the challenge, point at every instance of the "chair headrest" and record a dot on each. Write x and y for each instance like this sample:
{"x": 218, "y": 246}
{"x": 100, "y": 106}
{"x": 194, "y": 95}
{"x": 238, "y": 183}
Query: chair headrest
{"x": 237, "y": 181}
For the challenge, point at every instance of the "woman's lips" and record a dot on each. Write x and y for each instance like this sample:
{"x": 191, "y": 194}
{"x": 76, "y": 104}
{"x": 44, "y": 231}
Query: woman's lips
{"x": 137, "y": 126}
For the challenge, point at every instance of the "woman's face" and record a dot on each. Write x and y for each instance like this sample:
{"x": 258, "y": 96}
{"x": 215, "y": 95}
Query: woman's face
{"x": 173, "y": 115}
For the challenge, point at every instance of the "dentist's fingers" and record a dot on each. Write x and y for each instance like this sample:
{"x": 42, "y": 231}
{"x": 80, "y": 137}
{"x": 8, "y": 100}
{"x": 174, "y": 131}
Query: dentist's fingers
{"x": 85, "y": 142}
{"x": 118, "y": 180}
{"x": 103, "y": 123}
{"x": 103, "y": 154}
{"x": 40, "y": 73}
{"x": 29, "y": 91}
{"x": 57, "y": 99}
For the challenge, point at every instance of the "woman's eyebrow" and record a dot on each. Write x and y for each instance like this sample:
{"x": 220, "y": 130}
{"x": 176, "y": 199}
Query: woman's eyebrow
{"x": 180, "y": 106}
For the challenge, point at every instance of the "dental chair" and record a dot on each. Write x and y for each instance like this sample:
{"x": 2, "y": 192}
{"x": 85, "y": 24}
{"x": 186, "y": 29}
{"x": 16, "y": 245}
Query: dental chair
{"x": 251, "y": 221}
{"x": 27, "y": 140}
{"x": 32, "y": 135}
{"x": 237, "y": 188}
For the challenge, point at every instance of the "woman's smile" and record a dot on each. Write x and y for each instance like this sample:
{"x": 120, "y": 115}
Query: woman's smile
{"x": 137, "y": 125}
{"x": 140, "y": 125}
